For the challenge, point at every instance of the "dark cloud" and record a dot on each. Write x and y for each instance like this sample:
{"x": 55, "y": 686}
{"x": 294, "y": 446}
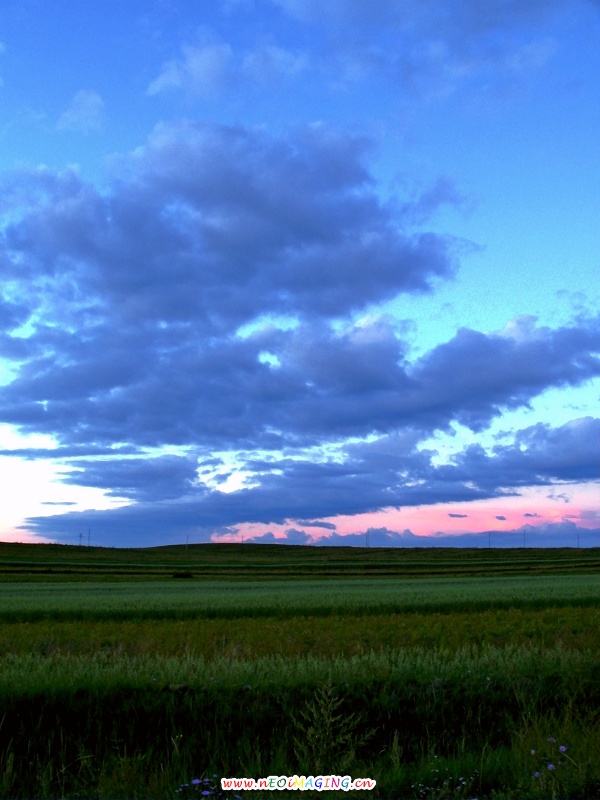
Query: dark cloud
{"x": 208, "y": 228}
{"x": 539, "y": 455}
{"x": 68, "y": 452}
{"x": 266, "y": 538}
{"x": 148, "y": 479}
{"x": 328, "y": 385}
{"x": 569, "y": 453}
{"x": 295, "y": 536}
{"x": 367, "y": 477}
{"x": 563, "y": 497}
{"x": 136, "y": 525}
{"x": 12, "y": 315}
{"x": 291, "y": 536}
{"x": 330, "y": 526}
{"x": 152, "y": 314}
{"x": 474, "y": 375}
{"x": 202, "y": 230}
{"x": 562, "y": 534}
{"x": 458, "y": 516}
{"x": 500, "y": 517}
{"x": 289, "y": 491}
{"x": 214, "y": 225}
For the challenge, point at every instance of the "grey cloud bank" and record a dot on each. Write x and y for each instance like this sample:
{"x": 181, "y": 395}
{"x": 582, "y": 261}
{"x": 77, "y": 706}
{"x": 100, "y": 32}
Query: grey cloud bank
{"x": 205, "y": 230}
{"x": 370, "y": 477}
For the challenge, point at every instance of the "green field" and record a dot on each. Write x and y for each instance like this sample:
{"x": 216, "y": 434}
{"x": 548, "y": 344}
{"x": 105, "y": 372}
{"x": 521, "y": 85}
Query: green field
{"x": 125, "y": 673}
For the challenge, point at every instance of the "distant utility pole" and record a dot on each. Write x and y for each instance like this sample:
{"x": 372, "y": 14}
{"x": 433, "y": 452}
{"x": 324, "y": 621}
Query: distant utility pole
{"x": 80, "y": 539}
{"x": 187, "y": 541}
{"x": 489, "y": 538}
{"x": 89, "y": 535}
{"x": 523, "y": 537}
{"x": 367, "y": 538}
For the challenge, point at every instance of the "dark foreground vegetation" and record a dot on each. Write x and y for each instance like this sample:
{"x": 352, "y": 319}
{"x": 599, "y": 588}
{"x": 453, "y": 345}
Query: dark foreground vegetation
{"x": 439, "y": 673}
{"x": 255, "y": 562}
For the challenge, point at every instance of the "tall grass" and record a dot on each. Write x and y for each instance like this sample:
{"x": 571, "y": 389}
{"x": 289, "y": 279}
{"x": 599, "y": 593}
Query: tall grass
{"x": 563, "y": 672}
{"x": 332, "y": 635}
{"x": 172, "y": 600}
{"x": 382, "y": 715}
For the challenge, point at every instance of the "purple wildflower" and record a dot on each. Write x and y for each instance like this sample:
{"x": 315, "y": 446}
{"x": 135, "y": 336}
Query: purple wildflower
{"x": 551, "y": 766}
{"x": 196, "y": 781}
{"x": 562, "y": 748}
{"x": 536, "y": 774}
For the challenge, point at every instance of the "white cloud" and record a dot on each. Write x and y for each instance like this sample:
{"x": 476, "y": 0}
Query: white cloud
{"x": 209, "y": 68}
{"x": 85, "y": 113}
{"x": 202, "y": 70}
{"x": 273, "y": 63}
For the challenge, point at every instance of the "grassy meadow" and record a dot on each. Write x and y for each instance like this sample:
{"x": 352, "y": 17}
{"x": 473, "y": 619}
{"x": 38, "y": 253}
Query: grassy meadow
{"x": 439, "y": 673}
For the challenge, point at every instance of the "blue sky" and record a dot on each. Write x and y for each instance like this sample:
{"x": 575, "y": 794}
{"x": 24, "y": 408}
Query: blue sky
{"x": 298, "y": 271}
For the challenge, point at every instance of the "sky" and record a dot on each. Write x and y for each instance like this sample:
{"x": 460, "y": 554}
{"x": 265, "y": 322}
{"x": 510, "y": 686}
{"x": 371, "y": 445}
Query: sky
{"x": 296, "y": 271}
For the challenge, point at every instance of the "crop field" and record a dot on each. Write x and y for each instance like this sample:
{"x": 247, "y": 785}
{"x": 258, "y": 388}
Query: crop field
{"x": 439, "y": 673}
